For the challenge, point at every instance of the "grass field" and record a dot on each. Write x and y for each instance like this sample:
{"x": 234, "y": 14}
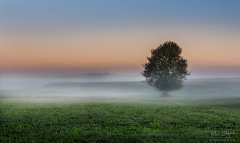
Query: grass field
{"x": 120, "y": 120}
{"x": 205, "y": 110}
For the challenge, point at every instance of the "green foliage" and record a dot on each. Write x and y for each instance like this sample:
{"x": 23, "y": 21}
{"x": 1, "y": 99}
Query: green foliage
{"x": 166, "y": 69}
{"x": 152, "y": 120}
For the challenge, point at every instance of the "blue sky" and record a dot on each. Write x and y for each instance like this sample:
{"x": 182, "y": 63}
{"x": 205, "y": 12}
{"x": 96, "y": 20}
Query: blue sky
{"x": 64, "y": 14}
{"x": 208, "y": 31}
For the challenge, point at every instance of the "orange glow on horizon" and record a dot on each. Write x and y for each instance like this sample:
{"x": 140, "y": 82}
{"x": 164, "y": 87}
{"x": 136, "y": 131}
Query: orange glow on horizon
{"x": 121, "y": 50}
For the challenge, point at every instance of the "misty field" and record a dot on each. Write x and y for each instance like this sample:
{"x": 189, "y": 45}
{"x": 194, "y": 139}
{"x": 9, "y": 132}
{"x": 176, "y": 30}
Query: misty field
{"x": 203, "y": 111}
{"x": 112, "y": 120}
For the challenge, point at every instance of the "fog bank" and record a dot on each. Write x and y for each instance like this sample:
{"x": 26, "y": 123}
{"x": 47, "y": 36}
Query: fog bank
{"x": 44, "y": 88}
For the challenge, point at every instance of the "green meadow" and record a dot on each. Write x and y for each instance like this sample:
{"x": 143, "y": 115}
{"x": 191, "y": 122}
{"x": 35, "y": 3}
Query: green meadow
{"x": 198, "y": 113}
{"x": 121, "y": 120}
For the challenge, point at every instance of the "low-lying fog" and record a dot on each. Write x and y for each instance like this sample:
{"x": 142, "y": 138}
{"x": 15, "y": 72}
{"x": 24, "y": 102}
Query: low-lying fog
{"x": 111, "y": 87}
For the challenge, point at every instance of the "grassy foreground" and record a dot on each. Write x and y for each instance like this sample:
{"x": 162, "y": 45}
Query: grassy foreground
{"x": 121, "y": 120}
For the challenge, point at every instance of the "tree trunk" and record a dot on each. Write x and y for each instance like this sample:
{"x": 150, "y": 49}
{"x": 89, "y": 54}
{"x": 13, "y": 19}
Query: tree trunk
{"x": 165, "y": 94}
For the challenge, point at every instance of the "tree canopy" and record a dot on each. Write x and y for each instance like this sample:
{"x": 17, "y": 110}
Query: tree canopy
{"x": 166, "y": 70}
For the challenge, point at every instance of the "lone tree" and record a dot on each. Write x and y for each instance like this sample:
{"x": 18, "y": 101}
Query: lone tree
{"x": 166, "y": 69}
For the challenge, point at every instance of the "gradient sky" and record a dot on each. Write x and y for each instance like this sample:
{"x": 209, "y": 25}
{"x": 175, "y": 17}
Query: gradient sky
{"x": 78, "y": 36}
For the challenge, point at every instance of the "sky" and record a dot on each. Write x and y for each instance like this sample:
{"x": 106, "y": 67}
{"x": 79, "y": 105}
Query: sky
{"x": 43, "y": 37}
